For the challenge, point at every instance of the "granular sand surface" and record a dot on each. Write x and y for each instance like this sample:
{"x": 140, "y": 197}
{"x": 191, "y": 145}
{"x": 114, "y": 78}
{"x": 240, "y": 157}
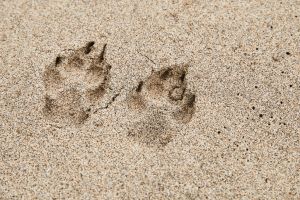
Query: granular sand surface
{"x": 132, "y": 99}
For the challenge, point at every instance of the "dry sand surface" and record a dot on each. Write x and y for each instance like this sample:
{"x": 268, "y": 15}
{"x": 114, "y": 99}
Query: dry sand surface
{"x": 131, "y": 99}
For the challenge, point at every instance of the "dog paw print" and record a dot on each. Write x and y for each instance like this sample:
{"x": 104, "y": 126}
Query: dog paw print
{"x": 165, "y": 93}
{"x": 75, "y": 84}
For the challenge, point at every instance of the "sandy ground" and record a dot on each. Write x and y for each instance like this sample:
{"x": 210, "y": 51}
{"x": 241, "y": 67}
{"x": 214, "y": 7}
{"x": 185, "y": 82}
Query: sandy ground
{"x": 134, "y": 99}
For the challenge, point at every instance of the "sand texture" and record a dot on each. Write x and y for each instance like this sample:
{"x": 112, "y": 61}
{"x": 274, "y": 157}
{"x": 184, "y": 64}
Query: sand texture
{"x": 136, "y": 99}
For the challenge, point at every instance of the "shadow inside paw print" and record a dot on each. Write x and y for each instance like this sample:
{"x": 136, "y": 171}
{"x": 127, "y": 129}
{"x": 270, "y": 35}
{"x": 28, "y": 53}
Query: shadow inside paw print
{"x": 153, "y": 130}
{"x": 75, "y": 83}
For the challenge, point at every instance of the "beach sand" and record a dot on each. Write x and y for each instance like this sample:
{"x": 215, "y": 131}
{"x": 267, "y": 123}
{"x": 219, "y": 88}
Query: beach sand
{"x": 131, "y": 99}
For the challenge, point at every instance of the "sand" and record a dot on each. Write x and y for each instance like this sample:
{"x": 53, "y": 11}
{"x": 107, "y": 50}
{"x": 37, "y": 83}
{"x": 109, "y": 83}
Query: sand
{"x": 133, "y": 99}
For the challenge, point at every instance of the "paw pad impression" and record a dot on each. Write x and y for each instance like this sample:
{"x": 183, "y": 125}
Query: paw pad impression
{"x": 75, "y": 83}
